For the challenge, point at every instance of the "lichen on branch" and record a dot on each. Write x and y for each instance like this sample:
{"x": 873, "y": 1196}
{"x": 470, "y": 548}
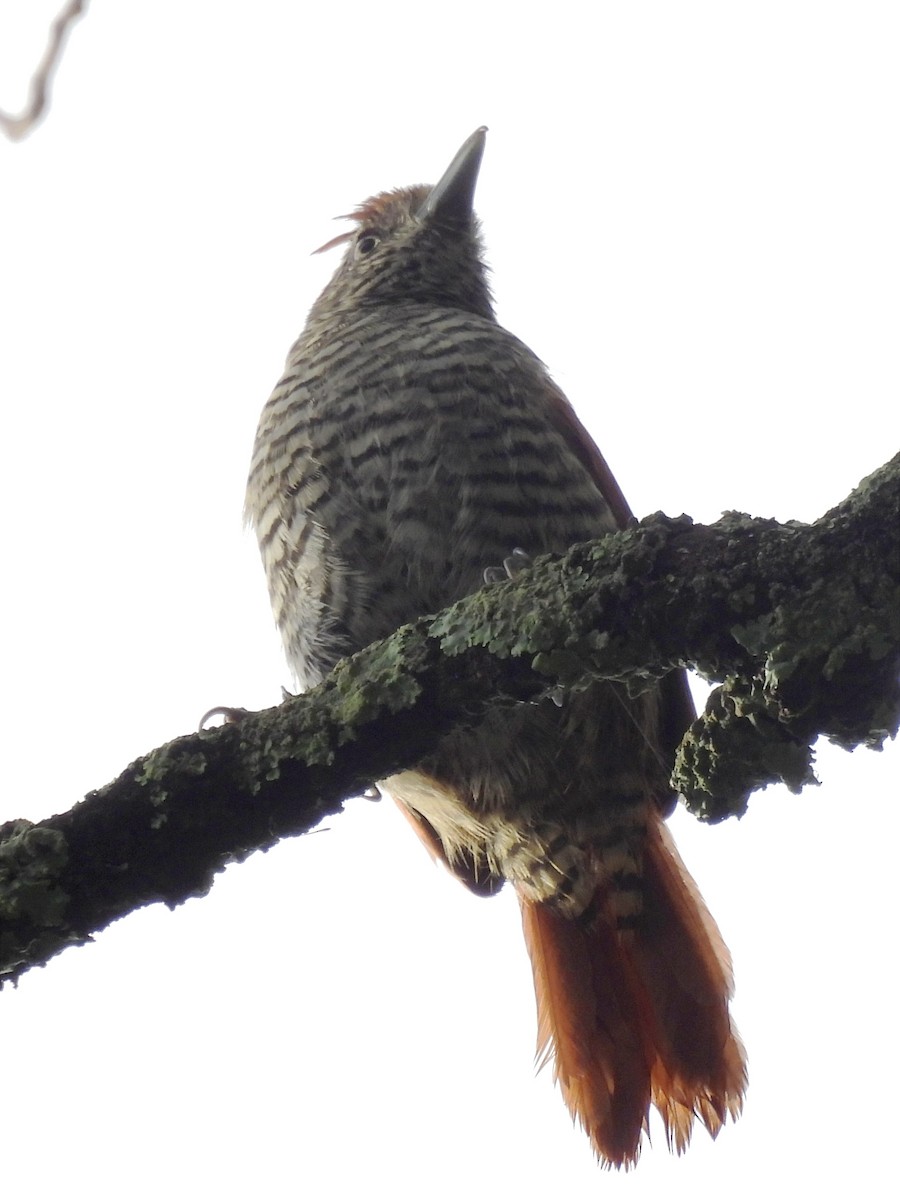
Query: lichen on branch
{"x": 798, "y": 624}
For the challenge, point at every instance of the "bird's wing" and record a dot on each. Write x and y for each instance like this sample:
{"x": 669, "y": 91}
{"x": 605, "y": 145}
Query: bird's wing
{"x": 678, "y": 710}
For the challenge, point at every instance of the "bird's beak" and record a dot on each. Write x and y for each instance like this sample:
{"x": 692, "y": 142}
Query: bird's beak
{"x": 451, "y": 199}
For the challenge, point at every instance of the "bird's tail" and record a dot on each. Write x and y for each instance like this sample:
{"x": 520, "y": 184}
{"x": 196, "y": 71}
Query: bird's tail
{"x": 636, "y": 1016}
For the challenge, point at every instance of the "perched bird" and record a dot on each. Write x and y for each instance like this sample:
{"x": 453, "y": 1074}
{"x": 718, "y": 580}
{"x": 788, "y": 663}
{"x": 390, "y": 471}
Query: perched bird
{"x": 411, "y": 443}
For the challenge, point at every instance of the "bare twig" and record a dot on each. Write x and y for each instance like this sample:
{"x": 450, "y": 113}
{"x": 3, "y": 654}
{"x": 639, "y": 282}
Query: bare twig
{"x": 18, "y": 126}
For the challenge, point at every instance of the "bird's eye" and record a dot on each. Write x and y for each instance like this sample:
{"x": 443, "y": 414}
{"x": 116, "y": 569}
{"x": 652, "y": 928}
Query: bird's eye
{"x": 366, "y": 243}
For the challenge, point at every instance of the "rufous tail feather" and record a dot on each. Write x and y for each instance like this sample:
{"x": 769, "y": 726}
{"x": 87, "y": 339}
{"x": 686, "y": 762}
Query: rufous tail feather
{"x": 638, "y": 1016}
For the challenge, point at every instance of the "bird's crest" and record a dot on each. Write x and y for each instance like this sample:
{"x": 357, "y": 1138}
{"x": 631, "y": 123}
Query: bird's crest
{"x": 379, "y": 211}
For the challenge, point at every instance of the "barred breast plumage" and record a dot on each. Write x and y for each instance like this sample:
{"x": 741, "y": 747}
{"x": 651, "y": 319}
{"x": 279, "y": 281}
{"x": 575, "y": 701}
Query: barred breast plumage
{"x": 394, "y": 462}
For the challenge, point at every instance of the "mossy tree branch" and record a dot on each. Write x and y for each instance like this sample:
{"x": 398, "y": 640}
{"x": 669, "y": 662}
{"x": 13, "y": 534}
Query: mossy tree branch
{"x": 800, "y": 624}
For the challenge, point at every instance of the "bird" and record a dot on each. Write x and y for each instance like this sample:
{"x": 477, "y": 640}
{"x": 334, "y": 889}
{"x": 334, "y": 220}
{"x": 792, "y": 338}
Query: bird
{"x": 411, "y": 445}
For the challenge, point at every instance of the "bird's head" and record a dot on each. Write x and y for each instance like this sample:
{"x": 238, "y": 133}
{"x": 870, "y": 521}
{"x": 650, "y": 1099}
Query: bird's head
{"x": 418, "y": 244}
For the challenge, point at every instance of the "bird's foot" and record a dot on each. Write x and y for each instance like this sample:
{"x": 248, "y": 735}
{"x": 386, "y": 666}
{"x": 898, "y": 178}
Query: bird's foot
{"x": 513, "y": 566}
{"x": 230, "y": 716}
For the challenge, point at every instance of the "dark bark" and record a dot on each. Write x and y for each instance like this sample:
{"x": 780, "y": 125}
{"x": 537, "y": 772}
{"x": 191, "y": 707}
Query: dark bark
{"x": 800, "y": 624}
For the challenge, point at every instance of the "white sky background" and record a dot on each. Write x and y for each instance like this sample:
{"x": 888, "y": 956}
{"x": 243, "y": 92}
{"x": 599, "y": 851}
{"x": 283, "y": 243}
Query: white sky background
{"x": 691, "y": 212}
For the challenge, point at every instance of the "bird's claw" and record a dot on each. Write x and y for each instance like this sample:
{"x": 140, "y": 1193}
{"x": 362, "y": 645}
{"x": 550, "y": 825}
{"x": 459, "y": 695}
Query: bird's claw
{"x": 231, "y": 716}
{"x": 513, "y": 565}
